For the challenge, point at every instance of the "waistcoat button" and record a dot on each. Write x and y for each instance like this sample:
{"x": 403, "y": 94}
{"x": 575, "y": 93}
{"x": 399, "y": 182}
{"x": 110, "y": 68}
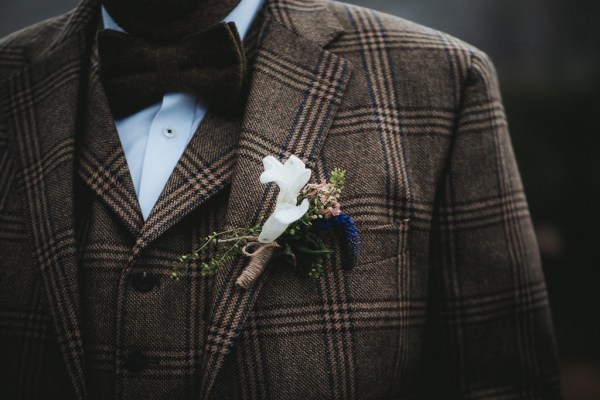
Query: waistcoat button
{"x": 135, "y": 361}
{"x": 143, "y": 282}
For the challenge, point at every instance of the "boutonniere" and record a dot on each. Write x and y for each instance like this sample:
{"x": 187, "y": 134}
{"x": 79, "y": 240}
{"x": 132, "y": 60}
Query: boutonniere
{"x": 305, "y": 215}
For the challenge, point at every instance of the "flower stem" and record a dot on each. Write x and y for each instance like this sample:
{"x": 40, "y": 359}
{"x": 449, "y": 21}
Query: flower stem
{"x": 249, "y": 238}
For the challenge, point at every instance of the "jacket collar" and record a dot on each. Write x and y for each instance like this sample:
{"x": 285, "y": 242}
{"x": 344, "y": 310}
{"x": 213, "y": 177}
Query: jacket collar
{"x": 312, "y": 20}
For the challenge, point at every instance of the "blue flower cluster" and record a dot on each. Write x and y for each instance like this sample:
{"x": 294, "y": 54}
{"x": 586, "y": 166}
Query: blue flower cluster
{"x": 344, "y": 223}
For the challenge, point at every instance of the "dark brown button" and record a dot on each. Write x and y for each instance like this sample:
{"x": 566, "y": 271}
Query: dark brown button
{"x": 135, "y": 362}
{"x": 144, "y": 282}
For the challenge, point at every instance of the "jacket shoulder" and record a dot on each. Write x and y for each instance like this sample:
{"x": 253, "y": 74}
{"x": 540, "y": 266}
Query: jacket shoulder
{"x": 23, "y": 46}
{"x": 370, "y": 30}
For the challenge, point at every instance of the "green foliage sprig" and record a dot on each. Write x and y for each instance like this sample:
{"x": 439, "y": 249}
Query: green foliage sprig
{"x": 217, "y": 250}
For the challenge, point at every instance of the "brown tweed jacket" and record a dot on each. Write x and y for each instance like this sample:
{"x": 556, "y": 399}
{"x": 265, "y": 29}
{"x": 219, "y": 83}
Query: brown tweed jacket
{"x": 448, "y": 298}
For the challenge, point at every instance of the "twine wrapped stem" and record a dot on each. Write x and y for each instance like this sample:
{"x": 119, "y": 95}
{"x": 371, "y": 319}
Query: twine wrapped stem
{"x": 259, "y": 255}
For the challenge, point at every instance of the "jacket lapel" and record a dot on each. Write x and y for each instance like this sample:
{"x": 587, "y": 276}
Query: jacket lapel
{"x": 101, "y": 160}
{"x": 296, "y": 88}
{"x": 41, "y": 109}
{"x": 202, "y": 171}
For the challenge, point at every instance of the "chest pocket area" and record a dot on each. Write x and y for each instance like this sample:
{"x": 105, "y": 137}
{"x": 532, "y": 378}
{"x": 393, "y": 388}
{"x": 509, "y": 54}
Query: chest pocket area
{"x": 379, "y": 282}
{"x": 378, "y": 298}
{"x": 374, "y": 288}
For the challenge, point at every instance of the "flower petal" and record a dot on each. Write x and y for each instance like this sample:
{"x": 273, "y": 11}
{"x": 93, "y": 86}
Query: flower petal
{"x": 284, "y": 215}
{"x": 273, "y": 170}
{"x": 291, "y": 177}
{"x": 300, "y": 180}
{"x": 288, "y": 215}
{"x": 271, "y": 230}
{"x": 294, "y": 164}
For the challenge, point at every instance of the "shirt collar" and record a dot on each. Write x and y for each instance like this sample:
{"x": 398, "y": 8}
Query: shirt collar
{"x": 242, "y": 15}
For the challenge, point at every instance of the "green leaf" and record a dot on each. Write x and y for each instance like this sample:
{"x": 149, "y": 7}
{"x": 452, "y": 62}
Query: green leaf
{"x": 315, "y": 252}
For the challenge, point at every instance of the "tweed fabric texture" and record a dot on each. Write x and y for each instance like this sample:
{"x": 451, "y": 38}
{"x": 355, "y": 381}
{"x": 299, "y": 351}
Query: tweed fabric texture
{"x": 109, "y": 220}
{"x": 447, "y": 300}
{"x": 136, "y": 75}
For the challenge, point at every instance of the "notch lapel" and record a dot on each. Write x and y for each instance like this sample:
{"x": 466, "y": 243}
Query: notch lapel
{"x": 203, "y": 170}
{"x": 41, "y": 110}
{"x": 296, "y": 88}
{"x": 102, "y": 165}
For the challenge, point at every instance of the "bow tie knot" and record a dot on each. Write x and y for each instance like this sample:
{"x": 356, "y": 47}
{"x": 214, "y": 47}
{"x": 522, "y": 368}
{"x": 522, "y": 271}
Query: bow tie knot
{"x": 136, "y": 74}
{"x": 167, "y": 68}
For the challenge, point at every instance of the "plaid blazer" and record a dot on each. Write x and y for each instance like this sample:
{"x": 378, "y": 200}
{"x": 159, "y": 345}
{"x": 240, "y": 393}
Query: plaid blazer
{"x": 447, "y": 300}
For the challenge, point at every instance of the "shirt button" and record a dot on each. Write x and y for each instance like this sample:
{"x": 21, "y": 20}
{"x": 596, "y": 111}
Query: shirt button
{"x": 135, "y": 362}
{"x": 144, "y": 282}
{"x": 169, "y": 133}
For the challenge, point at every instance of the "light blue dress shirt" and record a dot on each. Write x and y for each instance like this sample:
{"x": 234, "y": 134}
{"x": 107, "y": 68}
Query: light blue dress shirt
{"x": 154, "y": 138}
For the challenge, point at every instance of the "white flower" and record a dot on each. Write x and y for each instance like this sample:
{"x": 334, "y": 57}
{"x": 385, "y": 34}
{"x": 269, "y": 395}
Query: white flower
{"x": 291, "y": 177}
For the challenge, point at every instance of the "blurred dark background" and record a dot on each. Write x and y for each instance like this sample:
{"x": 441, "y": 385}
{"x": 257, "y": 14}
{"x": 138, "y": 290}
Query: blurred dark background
{"x": 547, "y": 53}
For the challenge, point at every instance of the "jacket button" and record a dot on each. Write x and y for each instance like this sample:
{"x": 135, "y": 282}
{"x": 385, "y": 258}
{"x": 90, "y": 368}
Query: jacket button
{"x": 135, "y": 362}
{"x": 143, "y": 282}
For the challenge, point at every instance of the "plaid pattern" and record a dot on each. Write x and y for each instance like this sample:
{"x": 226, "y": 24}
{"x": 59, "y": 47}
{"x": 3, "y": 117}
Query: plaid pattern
{"x": 448, "y": 298}
{"x": 115, "y": 244}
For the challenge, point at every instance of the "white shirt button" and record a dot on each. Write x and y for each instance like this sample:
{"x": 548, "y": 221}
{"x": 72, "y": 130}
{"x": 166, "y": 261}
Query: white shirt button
{"x": 169, "y": 133}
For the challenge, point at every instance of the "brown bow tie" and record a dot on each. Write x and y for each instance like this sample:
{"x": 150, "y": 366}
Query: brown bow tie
{"x": 136, "y": 74}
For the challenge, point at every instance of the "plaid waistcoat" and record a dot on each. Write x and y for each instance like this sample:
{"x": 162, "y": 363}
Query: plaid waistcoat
{"x": 447, "y": 300}
{"x": 144, "y": 333}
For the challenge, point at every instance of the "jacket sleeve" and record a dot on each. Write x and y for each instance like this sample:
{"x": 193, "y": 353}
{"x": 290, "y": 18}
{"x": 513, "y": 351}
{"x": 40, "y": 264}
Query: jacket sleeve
{"x": 489, "y": 332}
